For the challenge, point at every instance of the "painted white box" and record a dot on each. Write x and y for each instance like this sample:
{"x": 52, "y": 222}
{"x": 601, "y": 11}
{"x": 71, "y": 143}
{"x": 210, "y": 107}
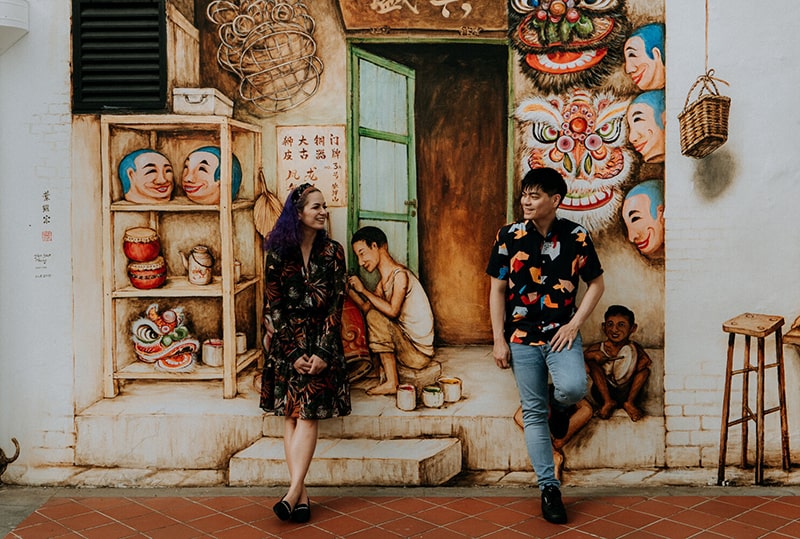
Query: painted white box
{"x": 201, "y": 101}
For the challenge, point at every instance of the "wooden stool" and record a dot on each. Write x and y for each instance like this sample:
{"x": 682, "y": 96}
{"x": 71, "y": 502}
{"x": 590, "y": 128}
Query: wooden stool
{"x": 759, "y": 326}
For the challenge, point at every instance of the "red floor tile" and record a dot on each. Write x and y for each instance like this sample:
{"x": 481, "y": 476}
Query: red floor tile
{"x": 246, "y": 517}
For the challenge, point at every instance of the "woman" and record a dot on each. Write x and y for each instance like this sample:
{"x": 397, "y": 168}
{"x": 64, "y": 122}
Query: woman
{"x": 305, "y": 289}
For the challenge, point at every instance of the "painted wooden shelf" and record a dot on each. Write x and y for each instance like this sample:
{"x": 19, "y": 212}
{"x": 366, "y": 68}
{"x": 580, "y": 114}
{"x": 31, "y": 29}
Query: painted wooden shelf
{"x": 146, "y": 371}
{"x": 217, "y": 310}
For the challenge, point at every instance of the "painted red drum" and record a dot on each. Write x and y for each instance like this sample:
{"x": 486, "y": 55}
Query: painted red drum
{"x": 147, "y": 275}
{"x": 141, "y": 244}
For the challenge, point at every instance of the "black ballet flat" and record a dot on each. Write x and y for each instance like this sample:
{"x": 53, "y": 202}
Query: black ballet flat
{"x": 302, "y": 512}
{"x": 282, "y": 509}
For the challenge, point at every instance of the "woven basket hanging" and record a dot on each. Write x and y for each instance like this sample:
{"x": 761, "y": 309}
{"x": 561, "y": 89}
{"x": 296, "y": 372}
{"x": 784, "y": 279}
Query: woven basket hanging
{"x": 704, "y": 121}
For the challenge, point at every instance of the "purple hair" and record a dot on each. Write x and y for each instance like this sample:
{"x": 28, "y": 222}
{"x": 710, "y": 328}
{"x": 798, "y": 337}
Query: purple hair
{"x": 287, "y": 233}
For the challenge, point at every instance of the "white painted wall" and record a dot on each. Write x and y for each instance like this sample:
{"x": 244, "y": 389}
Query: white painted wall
{"x": 36, "y": 367}
{"x": 731, "y": 218}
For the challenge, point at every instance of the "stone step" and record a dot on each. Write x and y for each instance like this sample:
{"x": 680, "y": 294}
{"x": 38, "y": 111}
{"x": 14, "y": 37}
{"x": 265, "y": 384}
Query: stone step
{"x": 361, "y": 461}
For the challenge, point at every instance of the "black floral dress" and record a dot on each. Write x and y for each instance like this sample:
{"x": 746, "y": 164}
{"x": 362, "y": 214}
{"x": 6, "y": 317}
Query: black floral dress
{"x": 306, "y": 309}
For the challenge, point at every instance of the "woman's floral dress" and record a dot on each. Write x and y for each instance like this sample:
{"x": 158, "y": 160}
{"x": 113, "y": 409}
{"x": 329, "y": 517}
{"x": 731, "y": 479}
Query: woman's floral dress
{"x": 306, "y": 309}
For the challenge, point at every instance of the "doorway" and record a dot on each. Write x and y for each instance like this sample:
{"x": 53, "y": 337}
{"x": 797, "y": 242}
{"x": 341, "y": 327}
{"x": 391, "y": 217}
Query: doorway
{"x": 460, "y": 127}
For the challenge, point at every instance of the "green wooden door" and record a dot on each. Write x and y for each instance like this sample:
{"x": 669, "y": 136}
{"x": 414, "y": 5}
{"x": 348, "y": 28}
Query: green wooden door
{"x": 383, "y": 190}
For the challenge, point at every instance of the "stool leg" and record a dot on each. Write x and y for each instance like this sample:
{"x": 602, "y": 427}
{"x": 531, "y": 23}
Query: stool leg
{"x": 726, "y": 403}
{"x": 760, "y": 416}
{"x": 746, "y": 413}
{"x": 786, "y": 460}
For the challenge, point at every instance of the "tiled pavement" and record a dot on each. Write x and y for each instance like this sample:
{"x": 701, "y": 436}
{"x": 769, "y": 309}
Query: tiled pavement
{"x": 441, "y": 513}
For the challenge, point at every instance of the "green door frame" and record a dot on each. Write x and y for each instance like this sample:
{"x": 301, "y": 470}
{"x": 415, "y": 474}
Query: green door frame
{"x": 354, "y": 212}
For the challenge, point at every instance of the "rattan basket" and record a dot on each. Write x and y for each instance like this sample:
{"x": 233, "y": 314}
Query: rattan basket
{"x": 704, "y": 121}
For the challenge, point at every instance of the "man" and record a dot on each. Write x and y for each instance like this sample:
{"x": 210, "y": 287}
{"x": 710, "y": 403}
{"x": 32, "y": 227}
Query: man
{"x": 646, "y": 115}
{"x": 201, "y": 175}
{"x": 398, "y": 313}
{"x": 644, "y": 57}
{"x": 535, "y": 266}
{"x": 643, "y": 213}
{"x": 146, "y": 177}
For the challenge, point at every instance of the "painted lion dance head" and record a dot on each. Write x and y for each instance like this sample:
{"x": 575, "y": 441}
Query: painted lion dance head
{"x": 164, "y": 340}
{"x": 567, "y": 44}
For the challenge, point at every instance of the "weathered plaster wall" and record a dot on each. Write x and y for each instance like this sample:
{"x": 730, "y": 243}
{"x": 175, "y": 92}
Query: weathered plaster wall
{"x": 36, "y": 367}
{"x": 732, "y": 217}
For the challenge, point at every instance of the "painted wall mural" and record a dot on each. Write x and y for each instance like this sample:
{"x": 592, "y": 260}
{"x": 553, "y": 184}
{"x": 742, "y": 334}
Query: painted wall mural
{"x": 590, "y": 103}
{"x": 270, "y": 46}
{"x": 466, "y": 16}
{"x": 583, "y": 136}
{"x": 567, "y": 44}
{"x": 313, "y": 154}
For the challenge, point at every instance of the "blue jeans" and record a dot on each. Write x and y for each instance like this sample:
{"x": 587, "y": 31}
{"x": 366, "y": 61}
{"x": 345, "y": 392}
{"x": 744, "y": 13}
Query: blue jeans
{"x": 531, "y": 365}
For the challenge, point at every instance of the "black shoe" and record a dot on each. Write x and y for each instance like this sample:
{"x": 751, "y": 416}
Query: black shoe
{"x": 302, "y": 512}
{"x": 558, "y": 420}
{"x": 282, "y": 509}
{"x": 553, "y": 509}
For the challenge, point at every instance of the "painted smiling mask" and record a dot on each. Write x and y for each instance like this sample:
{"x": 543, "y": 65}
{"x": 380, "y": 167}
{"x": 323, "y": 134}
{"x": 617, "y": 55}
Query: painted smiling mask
{"x": 568, "y": 44}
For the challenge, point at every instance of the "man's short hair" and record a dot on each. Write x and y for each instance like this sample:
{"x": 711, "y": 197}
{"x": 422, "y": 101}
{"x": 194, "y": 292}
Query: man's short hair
{"x": 546, "y": 179}
{"x": 620, "y": 310}
{"x": 369, "y": 235}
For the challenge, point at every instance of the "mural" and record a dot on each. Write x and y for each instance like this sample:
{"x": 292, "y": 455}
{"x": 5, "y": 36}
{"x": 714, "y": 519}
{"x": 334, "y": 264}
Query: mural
{"x": 619, "y": 367}
{"x": 201, "y": 175}
{"x": 146, "y": 176}
{"x": 313, "y": 154}
{"x": 643, "y": 213}
{"x": 583, "y": 136}
{"x": 591, "y": 105}
{"x": 163, "y": 338}
{"x": 567, "y": 44}
{"x": 270, "y": 46}
{"x": 397, "y": 310}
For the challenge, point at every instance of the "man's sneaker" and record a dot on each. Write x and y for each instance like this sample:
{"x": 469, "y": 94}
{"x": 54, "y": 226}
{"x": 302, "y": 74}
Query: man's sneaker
{"x": 552, "y": 507}
{"x": 558, "y": 420}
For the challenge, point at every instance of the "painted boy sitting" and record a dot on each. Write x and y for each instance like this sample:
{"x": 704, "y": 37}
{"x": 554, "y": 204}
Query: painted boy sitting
{"x": 619, "y": 367}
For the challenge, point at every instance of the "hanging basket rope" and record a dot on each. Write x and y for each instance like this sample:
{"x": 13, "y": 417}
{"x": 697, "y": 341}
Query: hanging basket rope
{"x": 704, "y": 121}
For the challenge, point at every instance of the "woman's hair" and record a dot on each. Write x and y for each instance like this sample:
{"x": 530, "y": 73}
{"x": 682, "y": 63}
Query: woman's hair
{"x": 287, "y": 233}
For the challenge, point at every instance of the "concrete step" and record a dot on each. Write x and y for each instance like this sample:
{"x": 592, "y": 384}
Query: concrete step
{"x": 361, "y": 461}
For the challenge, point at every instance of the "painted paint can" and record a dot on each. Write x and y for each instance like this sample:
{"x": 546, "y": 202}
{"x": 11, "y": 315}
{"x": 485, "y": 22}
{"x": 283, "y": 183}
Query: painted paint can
{"x": 451, "y": 387}
{"x": 241, "y": 343}
{"x": 406, "y": 397}
{"x": 432, "y": 396}
{"x": 212, "y": 352}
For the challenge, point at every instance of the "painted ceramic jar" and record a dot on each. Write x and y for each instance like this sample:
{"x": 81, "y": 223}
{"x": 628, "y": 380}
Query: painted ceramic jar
{"x": 198, "y": 265}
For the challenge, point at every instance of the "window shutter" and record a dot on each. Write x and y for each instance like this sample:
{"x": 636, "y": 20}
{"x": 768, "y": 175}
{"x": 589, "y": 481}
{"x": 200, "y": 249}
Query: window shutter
{"x": 119, "y": 55}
